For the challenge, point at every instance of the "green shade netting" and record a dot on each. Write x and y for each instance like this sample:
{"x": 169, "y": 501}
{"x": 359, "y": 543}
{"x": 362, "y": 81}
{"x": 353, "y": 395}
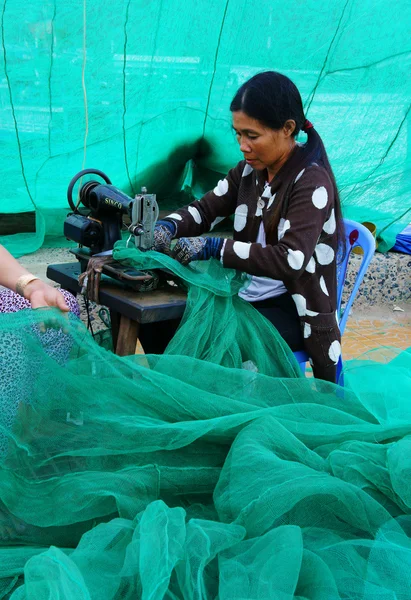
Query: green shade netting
{"x": 177, "y": 477}
{"x": 141, "y": 90}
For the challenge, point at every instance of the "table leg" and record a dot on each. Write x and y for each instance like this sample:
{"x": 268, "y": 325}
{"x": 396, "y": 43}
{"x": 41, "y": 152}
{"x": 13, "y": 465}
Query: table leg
{"x": 127, "y": 336}
{"x": 115, "y": 324}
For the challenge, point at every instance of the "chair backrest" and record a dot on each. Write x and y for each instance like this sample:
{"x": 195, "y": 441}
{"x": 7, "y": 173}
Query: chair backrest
{"x": 355, "y": 235}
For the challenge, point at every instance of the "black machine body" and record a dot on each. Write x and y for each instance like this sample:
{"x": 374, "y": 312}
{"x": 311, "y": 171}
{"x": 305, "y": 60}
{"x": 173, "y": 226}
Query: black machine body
{"x": 96, "y": 224}
{"x": 99, "y": 226}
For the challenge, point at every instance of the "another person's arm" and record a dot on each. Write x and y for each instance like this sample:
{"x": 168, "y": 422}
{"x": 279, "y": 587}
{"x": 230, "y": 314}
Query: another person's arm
{"x": 18, "y": 279}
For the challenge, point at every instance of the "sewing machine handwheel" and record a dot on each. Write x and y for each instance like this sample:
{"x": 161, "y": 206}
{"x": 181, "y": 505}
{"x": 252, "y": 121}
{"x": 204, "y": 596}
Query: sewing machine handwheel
{"x": 72, "y": 183}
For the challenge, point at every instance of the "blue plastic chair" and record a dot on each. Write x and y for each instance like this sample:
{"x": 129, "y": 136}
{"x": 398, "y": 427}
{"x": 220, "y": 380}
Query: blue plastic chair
{"x": 355, "y": 235}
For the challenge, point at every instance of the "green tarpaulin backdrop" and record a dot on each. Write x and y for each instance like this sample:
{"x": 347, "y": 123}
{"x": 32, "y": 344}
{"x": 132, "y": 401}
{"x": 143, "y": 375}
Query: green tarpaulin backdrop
{"x": 141, "y": 90}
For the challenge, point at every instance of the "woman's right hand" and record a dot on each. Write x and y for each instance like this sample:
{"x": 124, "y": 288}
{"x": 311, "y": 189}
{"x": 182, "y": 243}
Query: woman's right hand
{"x": 42, "y": 295}
{"x": 164, "y": 232}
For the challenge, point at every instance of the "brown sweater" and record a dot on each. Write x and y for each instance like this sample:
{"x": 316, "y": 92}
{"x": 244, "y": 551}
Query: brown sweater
{"x": 301, "y": 245}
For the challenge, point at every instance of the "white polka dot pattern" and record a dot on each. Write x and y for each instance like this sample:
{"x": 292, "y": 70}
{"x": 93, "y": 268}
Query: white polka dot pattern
{"x": 216, "y": 222}
{"x": 247, "y": 170}
{"x": 271, "y": 200}
{"x": 240, "y": 217}
{"x": 324, "y": 254}
{"x": 221, "y": 188}
{"x": 300, "y": 174}
{"x": 300, "y": 303}
{"x": 175, "y": 216}
{"x": 311, "y": 265}
{"x": 295, "y": 259}
{"x": 335, "y": 351}
{"x": 330, "y": 225}
{"x": 195, "y": 214}
{"x": 323, "y": 286}
{"x": 283, "y": 226}
{"x": 242, "y": 249}
{"x": 320, "y": 197}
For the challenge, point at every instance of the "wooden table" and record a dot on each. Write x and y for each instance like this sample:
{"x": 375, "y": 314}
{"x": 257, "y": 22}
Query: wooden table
{"x": 128, "y": 308}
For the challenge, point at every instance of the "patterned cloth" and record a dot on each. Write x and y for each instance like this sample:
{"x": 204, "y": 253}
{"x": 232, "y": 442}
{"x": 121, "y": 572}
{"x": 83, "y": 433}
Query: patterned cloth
{"x": 11, "y": 302}
{"x": 301, "y": 244}
{"x": 163, "y": 234}
{"x": 198, "y": 248}
{"x": 17, "y": 369}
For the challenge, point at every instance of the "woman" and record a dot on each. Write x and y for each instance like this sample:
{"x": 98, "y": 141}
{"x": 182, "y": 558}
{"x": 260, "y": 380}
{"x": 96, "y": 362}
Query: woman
{"x": 25, "y": 290}
{"x": 17, "y": 368}
{"x": 287, "y": 220}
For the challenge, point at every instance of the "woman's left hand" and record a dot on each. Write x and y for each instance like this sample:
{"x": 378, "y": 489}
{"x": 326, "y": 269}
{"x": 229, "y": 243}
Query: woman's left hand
{"x": 198, "y": 248}
{"x": 41, "y": 295}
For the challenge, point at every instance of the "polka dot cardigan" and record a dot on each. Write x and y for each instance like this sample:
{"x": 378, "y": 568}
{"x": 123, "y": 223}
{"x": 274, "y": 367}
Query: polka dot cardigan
{"x": 301, "y": 246}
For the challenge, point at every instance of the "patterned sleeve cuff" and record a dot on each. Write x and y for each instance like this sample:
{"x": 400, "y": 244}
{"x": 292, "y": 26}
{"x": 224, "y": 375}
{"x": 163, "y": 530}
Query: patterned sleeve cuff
{"x": 176, "y": 219}
{"x": 169, "y": 224}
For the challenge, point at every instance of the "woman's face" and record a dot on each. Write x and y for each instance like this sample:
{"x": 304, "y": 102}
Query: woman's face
{"x": 262, "y": 147}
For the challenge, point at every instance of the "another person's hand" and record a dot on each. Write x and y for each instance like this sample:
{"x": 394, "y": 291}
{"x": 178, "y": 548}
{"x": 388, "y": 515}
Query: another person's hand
{"x": 199, "y": 248}
{"x": 41, "y": 295}
{"x": 18, "y": 279}
{"x": 164, "y": 232}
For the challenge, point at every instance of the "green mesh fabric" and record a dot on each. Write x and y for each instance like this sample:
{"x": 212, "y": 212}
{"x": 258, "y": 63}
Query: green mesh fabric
{"x": 218, "y": 326}
{"x": 141, "y": 90}
{"x": 176, "y": 477}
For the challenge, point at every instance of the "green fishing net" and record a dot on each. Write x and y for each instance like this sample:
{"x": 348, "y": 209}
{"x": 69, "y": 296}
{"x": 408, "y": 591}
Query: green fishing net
{"x": 213, "y": 471}
{"x": 218, "y": 326}
{"x": 141, "y": 90}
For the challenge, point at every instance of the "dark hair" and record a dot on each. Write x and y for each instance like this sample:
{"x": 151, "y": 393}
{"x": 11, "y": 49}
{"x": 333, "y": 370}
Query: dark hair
{"x": 272, "y": 99}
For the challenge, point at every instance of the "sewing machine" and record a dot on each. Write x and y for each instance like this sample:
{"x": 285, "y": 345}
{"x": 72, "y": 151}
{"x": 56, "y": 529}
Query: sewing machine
{"x": 96, "y": 224}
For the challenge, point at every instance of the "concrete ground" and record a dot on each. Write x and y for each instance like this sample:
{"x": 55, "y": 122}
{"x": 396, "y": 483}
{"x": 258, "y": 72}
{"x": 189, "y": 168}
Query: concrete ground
{"x": 386, "y": 323}
{"x": 377, "y": 329}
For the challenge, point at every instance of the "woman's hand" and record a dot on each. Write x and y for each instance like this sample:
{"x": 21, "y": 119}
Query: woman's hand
{"x": 38, "y": 293}
{"x": 164, "y": 232}
{"x": 41, "y": 295}
{"x": 199, "y": 248}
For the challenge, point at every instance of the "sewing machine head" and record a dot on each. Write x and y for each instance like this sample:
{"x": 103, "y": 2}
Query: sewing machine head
{"x": 98, "y": 226}
{"x": 144, "y": 214}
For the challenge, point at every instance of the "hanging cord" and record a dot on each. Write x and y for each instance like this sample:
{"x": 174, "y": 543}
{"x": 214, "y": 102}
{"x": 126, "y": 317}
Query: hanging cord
{"x": 83, "y": 80}
{"x": 83, "y": 85}
{"x": 87, "y": 306}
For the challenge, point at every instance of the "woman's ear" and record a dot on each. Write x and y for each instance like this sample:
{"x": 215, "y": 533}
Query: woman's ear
{"x": 289, "y": 127}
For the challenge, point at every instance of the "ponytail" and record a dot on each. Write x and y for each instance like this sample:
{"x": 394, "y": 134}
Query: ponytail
{"x": 314, "y": 152}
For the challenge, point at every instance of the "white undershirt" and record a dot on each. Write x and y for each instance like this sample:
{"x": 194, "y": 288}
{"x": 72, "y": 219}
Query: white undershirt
{"x": 261, "y": 288}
